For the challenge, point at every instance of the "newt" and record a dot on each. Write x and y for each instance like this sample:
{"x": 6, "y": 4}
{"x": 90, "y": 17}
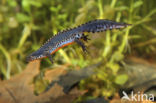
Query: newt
{"x": 73, "y": 35}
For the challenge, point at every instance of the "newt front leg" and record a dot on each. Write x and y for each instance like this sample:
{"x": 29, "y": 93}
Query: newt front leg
{"x": 47, "y": 54}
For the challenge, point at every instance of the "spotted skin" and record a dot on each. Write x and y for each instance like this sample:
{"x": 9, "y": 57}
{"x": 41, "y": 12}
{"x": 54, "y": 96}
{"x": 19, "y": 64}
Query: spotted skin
{"x": 69, "y": 36}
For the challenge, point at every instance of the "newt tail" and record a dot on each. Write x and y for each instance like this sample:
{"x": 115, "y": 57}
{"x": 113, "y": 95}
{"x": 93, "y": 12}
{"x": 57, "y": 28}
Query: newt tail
{"x": 70, "y": 36}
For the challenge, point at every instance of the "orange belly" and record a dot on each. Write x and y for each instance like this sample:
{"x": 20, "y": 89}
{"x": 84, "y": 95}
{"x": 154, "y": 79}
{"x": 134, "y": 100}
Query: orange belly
{"x": 62, "y": 47}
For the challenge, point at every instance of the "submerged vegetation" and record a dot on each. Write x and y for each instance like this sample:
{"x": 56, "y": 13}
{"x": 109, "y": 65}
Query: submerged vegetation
{"x": 26, "y": 24}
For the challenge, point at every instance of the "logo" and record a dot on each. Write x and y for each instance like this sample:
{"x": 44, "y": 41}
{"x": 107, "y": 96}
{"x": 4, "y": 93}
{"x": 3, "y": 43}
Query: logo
{"x": 137, "y": 97}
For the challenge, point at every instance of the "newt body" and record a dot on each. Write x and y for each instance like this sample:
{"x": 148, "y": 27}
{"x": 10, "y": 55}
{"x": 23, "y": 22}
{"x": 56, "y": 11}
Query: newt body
{"x": 70, "y": 36}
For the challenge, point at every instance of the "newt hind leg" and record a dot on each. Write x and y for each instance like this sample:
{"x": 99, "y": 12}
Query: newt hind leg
{"x": 85, "y": 37}
{"x": 79, "y": 42}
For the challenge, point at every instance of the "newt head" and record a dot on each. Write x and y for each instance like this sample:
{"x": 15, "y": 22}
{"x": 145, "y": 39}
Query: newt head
{"x": 34, "y": 56}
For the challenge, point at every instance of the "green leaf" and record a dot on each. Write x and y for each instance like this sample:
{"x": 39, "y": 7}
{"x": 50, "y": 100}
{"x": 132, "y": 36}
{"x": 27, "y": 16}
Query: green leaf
{"x": 121, "y": 79}
{"x": 26, "y": 5}
{"x": 114, "y": 67}
{"x": 12, "y": 23}
{"x": 12, "y": 3}
{"x": 36, "y": 4}
{"x": 118, "y": 56}
{"x": 137, "y": 4}
{"x": 122, "y": 8}
{"x": 22, "y": 17}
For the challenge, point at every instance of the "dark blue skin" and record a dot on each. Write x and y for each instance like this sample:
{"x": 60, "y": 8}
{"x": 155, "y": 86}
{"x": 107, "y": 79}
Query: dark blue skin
{"x": 73, "y": 35}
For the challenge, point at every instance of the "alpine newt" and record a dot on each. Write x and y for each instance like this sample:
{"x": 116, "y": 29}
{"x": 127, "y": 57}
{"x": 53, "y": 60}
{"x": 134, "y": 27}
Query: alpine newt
{"x": 70, "y": 36}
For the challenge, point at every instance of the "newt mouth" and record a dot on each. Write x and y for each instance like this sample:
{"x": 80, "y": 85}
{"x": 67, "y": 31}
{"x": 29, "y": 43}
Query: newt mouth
{"x": 29, "y": 58}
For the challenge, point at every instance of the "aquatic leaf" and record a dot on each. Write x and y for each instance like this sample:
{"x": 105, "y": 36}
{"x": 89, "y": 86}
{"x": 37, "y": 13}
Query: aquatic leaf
{"x": 138, "y": 3}
{"x": 21, "y": 17}
{"x": 121, "y": 79}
